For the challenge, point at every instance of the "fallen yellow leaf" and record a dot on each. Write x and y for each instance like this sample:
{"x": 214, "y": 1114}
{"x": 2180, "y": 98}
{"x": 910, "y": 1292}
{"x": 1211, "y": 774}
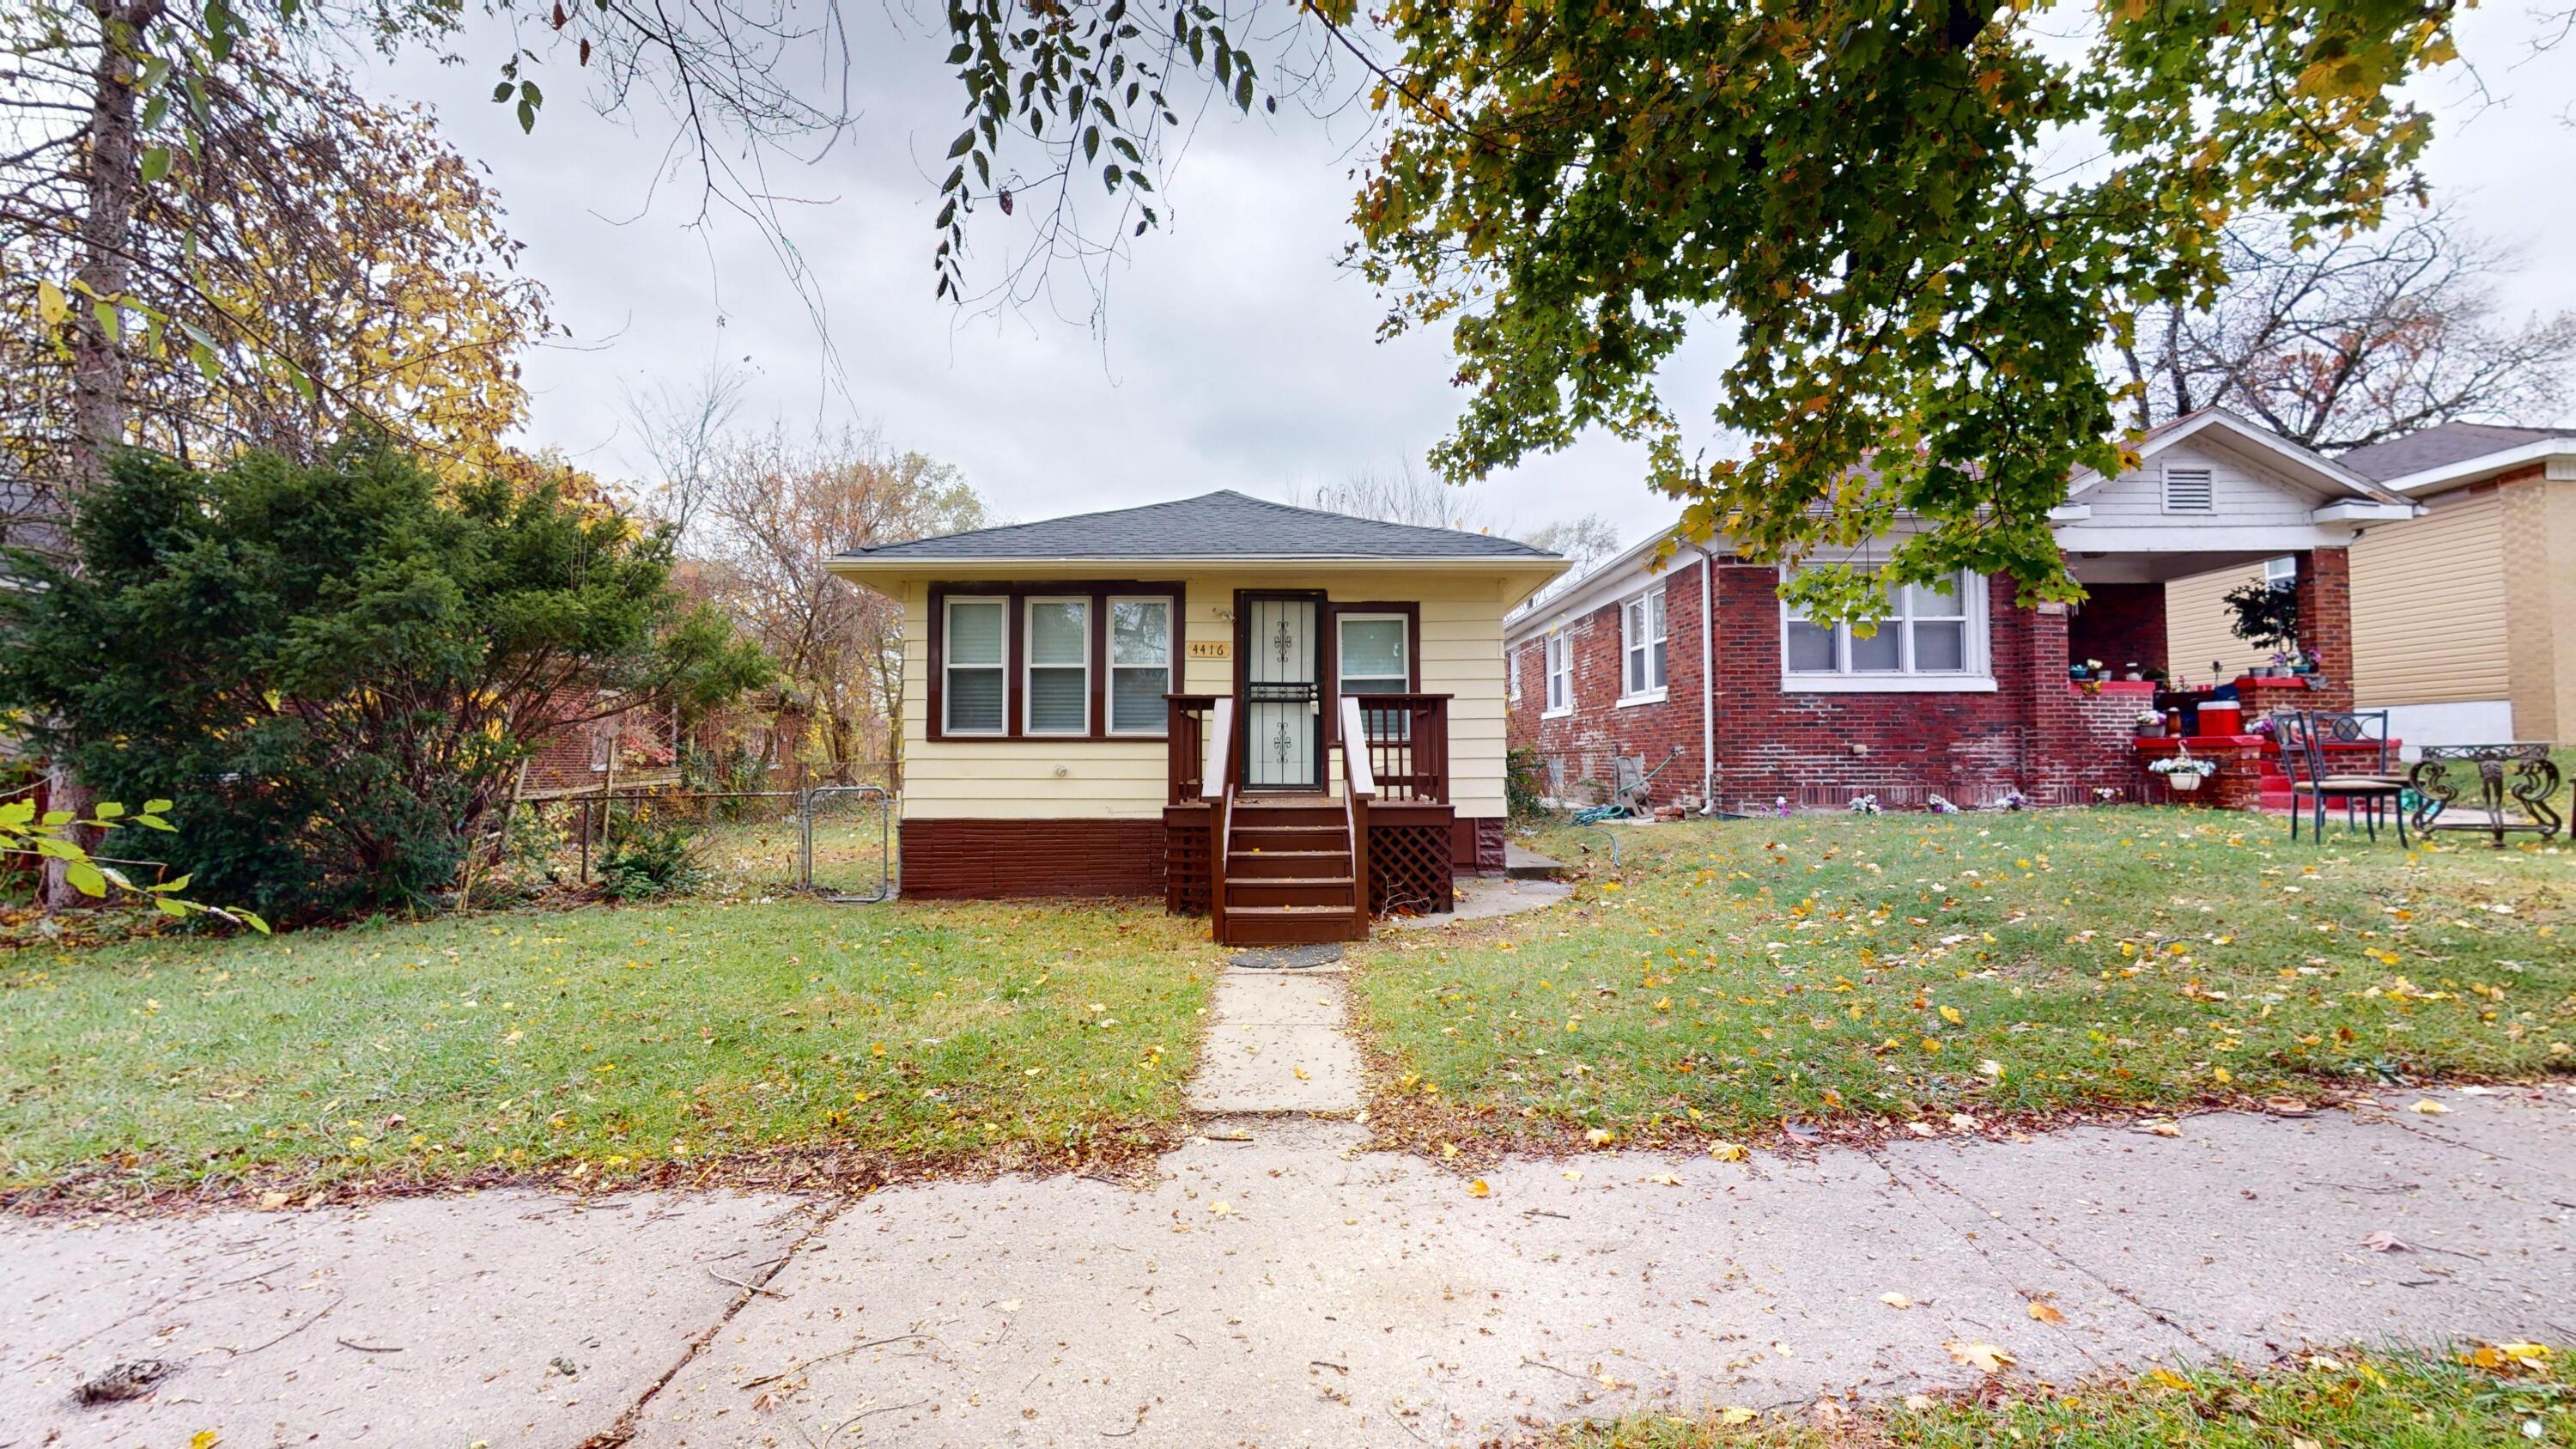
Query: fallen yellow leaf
{"x": 1735, "y": 1414}
{"x": 2168, "y": 1378}
{"x": 1896, "y": 1300}
{"x": 2429, "y": 1108}
{"x": 2046, "y": 1314}
{"x": 1729, "y": 1152}
{"x": 1950, "y": 1014}
{"x": 1478, "y": 1188}
{"x": 1666, "y": 1178}
{"x": 1984, "y": 1357}
{"x": 205, "y": 1439}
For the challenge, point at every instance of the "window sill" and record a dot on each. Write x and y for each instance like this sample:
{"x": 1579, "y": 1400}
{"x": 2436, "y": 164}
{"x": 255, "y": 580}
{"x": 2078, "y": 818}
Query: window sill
{"x": 1630, "y": 701}
{"x": 1565, "y": 713}
{"x": 1887, "y": 684}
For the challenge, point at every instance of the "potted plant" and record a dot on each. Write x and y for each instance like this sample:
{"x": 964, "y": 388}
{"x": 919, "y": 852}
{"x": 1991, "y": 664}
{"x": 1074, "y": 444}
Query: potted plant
{"x": 2265, "y": 615}
{"x": 2075, "y": 671}
{"x": 2131, "y": 674}
{"x": 2184, "y": 771}
{"x": 2151, "y": 724}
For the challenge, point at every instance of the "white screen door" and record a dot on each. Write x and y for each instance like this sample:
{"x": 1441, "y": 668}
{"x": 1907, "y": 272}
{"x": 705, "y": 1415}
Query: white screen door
{"x": 1282, "y": 696}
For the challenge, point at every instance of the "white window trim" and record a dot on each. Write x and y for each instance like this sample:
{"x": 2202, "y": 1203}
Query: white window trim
{"x": 1109, "y": 681}
{"x": 1404, "y": 633}
{"x": 948, "y": 665}
{"x": 1511, "y": 675}
{"x": 1029, "y": 665}
{"x": 1652, "y": 693}
{"x": 1977, "y": 678}
{"x": 1549, "y": 645}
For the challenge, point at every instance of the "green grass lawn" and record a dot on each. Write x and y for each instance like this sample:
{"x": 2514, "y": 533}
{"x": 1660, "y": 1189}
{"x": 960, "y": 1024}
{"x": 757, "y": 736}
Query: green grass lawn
{"x": 2336, "y": 1401}
{"x": 1845, "y": 971}
{"x": 662, "y": 1042}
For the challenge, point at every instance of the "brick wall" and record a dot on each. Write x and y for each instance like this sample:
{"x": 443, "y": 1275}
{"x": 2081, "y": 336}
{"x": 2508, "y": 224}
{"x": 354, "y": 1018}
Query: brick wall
{"x": 1583, "y": 742}
{"x": 2033, "y": 732}
{"x": 989, "y": 859}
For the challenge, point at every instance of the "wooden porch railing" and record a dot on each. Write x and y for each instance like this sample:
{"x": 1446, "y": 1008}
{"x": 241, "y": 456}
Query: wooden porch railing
{"x": 1359, "y": 787}
{"x": 1191, "y": 722}
{"x": 1405, "y": 739}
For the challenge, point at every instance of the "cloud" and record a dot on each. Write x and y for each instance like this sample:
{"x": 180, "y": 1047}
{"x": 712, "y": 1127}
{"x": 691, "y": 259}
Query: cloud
{"x": 1234, "y": 351}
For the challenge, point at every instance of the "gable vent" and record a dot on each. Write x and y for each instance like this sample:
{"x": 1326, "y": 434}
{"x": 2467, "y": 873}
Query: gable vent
{"x": 2188, "y": 490}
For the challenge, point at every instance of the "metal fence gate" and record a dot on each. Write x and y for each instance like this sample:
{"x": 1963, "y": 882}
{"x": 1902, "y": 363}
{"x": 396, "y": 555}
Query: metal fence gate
{"x": 835, "y": 841}
{"x": 849, "y": 840}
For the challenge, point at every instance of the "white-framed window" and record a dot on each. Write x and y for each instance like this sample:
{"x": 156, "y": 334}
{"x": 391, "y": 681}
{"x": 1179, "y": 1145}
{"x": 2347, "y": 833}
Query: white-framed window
{"x": 2190, "y": 490}
{"x": 974, "y": 666}
{"x": 1372, "y": 654}
{"x": 1641, "y": 648}
{"x": 1057, "y": 689}
{"x": 1931, "y": 638}
{"x": 1560, "y": 673}
{"x": 1140, "y": 664}
{"x": 1511, "y": 676}
{"x": 2282, "y": 570}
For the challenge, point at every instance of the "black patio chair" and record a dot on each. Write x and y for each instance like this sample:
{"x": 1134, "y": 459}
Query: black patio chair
{"x": 2316, "y": 748}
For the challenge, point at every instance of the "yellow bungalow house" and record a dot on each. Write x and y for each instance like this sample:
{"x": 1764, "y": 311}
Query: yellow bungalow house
{"x": 1164, "y": 701}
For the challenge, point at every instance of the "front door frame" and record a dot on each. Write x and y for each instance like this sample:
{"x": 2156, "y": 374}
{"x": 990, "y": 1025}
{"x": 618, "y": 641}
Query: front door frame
{"x": 1243, "y": 643}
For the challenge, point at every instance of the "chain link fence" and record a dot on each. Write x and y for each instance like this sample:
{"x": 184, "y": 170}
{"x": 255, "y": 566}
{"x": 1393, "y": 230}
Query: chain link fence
{"x": 835, "y": 841}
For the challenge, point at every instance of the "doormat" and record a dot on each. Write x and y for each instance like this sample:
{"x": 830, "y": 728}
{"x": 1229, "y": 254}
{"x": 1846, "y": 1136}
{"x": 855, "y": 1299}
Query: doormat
{"x": 1286, "y": 958}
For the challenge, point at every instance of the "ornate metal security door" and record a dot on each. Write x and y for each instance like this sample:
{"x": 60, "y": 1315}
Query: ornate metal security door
{"x": 1283, "y": 694}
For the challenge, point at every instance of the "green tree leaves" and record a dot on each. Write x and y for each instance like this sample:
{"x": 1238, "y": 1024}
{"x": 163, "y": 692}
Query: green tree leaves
{"x": 1870, "y": 191}
{"x": 338, "y": 667}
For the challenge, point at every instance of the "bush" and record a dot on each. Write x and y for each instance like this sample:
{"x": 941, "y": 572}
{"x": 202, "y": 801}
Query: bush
{"x": 1523, "y": 795}
{"x": 649, "y": 858}
{"x": 335, "y": 668}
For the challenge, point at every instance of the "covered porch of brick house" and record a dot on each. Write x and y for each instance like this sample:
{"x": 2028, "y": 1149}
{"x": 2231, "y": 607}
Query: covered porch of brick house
{"x": 2121, "y": 624}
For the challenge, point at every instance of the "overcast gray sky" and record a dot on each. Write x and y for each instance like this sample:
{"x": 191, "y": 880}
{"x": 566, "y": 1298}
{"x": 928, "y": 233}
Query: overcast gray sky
{"x": 1236, "y": 352}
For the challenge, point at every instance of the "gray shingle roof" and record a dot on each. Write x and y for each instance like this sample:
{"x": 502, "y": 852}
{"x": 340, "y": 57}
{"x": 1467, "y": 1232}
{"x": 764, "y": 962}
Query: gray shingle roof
{"x": 2440, "y": 446}
{"x": 1221, "y": 525}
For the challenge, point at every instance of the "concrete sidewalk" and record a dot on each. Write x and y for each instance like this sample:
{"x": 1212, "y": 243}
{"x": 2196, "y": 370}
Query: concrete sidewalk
{"x": 1295, "y": 1290}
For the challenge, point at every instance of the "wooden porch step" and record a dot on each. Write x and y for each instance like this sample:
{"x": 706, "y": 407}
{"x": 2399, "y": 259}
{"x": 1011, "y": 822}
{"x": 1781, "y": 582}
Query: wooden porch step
{"x": 1247, "y": 836}
{"x": 1291, "y": 925}
{"x": 1272, "y": 864}
{"x": 1313, "y": 810}
{"x": 1317, "y": 890}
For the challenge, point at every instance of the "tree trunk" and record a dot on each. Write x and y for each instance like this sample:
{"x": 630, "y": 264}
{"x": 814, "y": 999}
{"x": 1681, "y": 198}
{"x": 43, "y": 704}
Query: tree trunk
{"x": 112, "y": 178}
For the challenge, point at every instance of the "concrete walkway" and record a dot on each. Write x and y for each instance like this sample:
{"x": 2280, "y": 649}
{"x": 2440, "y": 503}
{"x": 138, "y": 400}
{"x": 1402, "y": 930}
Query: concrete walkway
{"x": 1291, "y": 1289}
{"x": 1279, "y": 1285}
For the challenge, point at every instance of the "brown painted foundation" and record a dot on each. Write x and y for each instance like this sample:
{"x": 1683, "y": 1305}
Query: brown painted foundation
{"x": 1003, "y": 859}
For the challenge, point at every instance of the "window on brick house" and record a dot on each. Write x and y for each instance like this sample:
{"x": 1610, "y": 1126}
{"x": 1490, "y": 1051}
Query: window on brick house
{"x": 1560, "y": 673}
{"x": 1641, "y": 648}
{"x": 1511, "y": 676}
{"x": 1930, "y": 638}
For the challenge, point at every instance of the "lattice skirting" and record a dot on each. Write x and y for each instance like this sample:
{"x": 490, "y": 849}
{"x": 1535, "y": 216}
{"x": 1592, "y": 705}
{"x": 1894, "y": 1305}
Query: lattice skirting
{"x": 1409, "y": 869}
{"x": 1185, "y": 866}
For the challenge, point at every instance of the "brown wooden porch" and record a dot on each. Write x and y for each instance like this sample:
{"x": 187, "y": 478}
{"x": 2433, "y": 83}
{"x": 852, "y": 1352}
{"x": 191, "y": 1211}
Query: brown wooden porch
{"x": 1272, "y": 867}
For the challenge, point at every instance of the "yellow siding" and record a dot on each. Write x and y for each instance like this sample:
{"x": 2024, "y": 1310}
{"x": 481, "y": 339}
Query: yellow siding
{"x": 1462, "y": 656}
{"x": 2196, "y": 632}
{"x": 2428, "y": 606}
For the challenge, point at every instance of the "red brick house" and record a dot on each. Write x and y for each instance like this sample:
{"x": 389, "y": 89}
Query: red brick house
{"x": 1691, "y": 659}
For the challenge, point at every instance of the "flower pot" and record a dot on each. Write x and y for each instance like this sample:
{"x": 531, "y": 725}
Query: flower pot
{"x": 2185, "y": 783}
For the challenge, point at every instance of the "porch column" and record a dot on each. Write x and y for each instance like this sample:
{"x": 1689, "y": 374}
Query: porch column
{"x": 2325, "y": 623}
{"x": 2056, "y": 731}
